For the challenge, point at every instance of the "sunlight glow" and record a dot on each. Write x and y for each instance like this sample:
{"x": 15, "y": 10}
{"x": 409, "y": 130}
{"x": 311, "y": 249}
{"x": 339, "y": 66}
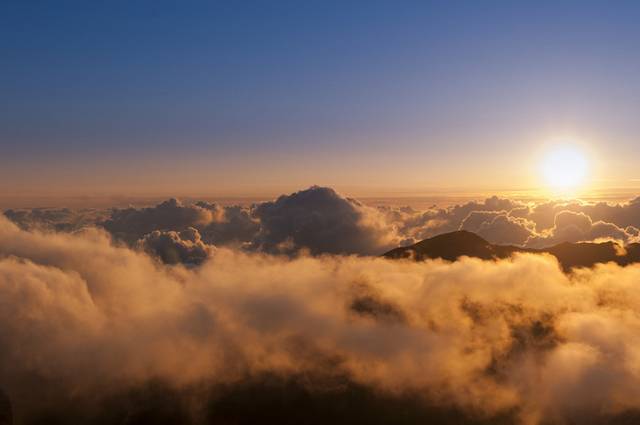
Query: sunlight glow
{"x": 564, "y": 168}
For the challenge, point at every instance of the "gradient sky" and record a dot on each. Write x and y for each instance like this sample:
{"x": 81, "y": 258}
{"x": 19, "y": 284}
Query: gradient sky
{"x": 248, "y": 98}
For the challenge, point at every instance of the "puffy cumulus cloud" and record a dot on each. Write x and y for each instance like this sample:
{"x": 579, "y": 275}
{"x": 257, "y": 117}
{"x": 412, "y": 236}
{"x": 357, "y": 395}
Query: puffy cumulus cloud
{"x": 623, "y": 214}
{"x": 130, "y": 224}
{"x": 476, "y": 219}
{"x": 537, "y": 225}
{"x": 414, "y": 225}
{"x": 176, "y": 247}
{"x": 92, "y": 332}
{"x": 549, "y": 222}
{"x": 217, "y": 224}
{"x": 572, "y": 226}
{"x": 321, "y": 221}
{"x": 234, "y": 224}
{"x": 499, "y": 227}
{"x": 458, "y": 213}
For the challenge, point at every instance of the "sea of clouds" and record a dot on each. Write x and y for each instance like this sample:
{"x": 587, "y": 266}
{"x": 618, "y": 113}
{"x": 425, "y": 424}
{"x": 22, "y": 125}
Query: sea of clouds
{"x": 319, "y": 220}
{"x": 195, "y": 314}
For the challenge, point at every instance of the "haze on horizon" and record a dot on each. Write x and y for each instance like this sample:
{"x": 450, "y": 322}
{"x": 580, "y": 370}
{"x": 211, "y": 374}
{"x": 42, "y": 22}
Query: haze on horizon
{"x": 214, "y": 99}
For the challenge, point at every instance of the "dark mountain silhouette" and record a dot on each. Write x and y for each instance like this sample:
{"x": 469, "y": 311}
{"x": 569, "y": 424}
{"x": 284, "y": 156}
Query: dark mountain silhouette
{"x": 451, "y": 246}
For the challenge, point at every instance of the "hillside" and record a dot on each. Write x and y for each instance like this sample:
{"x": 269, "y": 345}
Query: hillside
{"x": 451, "y": 246}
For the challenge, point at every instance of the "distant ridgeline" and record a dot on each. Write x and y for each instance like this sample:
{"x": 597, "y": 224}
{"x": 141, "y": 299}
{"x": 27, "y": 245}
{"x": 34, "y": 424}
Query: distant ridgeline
{"x": 451, "y": 246}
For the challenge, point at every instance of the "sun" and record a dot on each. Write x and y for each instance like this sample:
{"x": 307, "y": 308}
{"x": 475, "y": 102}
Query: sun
{"x": 564, "y": 168}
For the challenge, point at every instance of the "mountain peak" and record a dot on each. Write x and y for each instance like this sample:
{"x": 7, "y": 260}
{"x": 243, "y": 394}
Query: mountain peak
{"x": 448, "y": 246}
{"x": 453, "y": 245}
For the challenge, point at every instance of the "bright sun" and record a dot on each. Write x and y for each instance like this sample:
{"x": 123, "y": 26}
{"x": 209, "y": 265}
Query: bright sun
{"x": 564, "y": 168}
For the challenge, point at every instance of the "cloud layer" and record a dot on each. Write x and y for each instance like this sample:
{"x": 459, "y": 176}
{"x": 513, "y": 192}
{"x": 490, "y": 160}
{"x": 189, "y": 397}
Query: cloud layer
{"x": 86, "y": 323}
{"x": 319, "y": 220}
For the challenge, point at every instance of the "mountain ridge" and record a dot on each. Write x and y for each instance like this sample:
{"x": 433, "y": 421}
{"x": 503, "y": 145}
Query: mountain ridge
{"x": 453, "y": 245}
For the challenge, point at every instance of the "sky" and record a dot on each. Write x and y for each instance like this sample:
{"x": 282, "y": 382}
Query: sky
{"x": 259, "y": 98}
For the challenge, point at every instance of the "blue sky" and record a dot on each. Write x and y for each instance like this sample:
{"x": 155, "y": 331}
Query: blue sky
{"x": 212, "y": 96}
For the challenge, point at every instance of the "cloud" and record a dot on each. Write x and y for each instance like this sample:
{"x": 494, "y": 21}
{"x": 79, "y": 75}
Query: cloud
{"x": 499, "y": 227}
{"x": 321, "y": 221}
{"x": 417, "y": 225}
{"x": 216, "y": 224}
{"x": 55, "y": 219}
{"x": 621, "y": 214}
{"x": 176, "y": 247}
{"x": 233, "y": 225}
{"x": 87, "y": 327}
{"x": 542, "y": 225}
{"x": 131, "y": 224}
{"x": 572, "y": 226}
